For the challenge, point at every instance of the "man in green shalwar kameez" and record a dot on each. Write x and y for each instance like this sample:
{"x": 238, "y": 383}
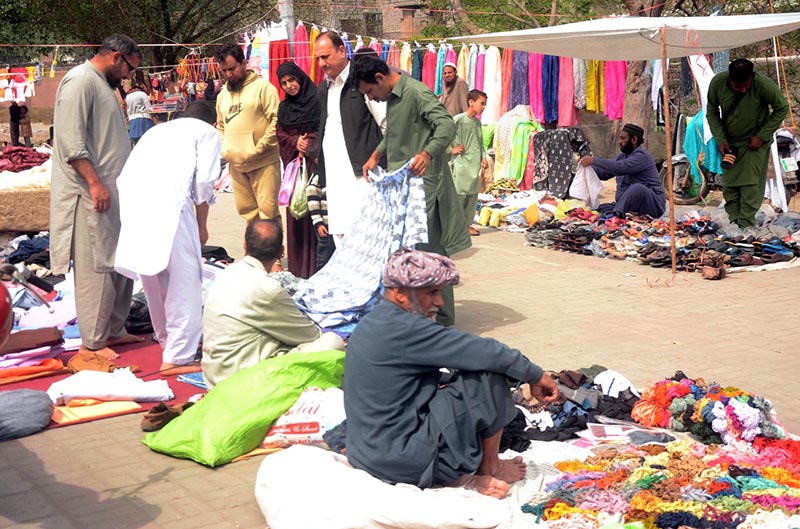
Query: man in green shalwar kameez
{"x": 419, "y": 128}
{"x": 744, "y": 111}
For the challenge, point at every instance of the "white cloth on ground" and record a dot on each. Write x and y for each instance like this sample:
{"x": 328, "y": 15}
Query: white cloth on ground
{"x": 120, "y": 384}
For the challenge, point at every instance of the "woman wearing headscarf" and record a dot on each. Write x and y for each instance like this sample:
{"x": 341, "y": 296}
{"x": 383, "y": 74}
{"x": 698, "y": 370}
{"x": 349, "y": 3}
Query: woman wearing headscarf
{"x": 298, "y": 121}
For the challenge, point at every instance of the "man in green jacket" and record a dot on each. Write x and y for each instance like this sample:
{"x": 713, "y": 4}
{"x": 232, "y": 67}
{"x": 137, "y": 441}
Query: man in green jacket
{"x": 419, "y": 128}
{"x": 744, "y": 111}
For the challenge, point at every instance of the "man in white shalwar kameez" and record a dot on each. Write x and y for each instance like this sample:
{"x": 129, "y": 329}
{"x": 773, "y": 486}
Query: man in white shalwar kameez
{"x": 165, "y": 190}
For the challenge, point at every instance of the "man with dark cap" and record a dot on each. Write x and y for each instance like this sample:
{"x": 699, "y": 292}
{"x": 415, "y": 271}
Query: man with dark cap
{"x": 405, "y": 423}
{"x": 639, "y": 188}
{"x": 744, "y": 111}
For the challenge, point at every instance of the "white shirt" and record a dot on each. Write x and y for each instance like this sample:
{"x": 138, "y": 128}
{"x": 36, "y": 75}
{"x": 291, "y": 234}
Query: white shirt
{"x": 173, "y": 166}
{"x": 138, "y": 105}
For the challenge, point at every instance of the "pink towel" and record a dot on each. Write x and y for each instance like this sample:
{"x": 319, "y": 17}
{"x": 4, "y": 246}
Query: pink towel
{"x": 615, "y": 73}
{"x": 535, "y": 85}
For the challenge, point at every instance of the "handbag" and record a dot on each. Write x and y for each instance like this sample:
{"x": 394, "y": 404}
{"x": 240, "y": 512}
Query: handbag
{"x": 287, "y": 182}
{"x": 299, "y": 203}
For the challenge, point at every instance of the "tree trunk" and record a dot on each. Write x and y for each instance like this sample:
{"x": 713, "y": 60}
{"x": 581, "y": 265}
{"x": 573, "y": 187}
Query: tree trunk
{"x": 638, "y": 108}
{"x": 463, "y": 17}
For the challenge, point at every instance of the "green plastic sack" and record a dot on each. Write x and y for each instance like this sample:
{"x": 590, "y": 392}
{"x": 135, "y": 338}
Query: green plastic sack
{"x": 234, "y": 417}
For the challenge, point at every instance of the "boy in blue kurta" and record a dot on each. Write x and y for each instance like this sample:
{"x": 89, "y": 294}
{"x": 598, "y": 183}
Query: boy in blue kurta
{"x": 403, "y": 424}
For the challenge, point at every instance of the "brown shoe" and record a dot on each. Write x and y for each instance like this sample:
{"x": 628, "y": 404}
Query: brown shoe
{"x": 473, "y": 232}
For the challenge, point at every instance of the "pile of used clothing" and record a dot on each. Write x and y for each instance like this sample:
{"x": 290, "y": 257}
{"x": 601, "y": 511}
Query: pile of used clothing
{"x": 17, "y": 159}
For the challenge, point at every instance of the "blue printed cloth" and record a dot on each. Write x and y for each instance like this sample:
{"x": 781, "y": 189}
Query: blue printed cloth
{"x": 347, "y": 287}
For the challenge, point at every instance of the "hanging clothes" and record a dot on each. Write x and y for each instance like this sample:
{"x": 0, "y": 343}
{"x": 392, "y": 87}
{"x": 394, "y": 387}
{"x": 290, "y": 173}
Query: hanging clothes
{"x": 685, "y": 87}
{"x": 568, "y": 116}
{"x": 359, "y": 43}
{"x": 393, "y": 215}
{"x": 315, "y": 73}
{"x": 530, "y": 166}
{"x": 348, "y": 48}
{"x": 553, "y": 151}
{"x": 462, "y": 63}
{"x": 375, "y": 46}
{"x": 302, "y": 51}
{"x": 518, "y": 80}
{"x": 658, "y": 82}
{"x": 550, "y": 88}
{"x": 429, "y": 67}
{"x": 595, "y": 87}
{"x": 615, "y": 76}
{"x": 506, "y": 72}
{"x": 278, "y": 54}
{"x": 703, "y": 73}
{"x": 384, "y": 53}
{"x": 440, "y": 60}
{"x": 535, "y": 94}
{"x": 520, "y": 146}
{"x": 698, "y": 151}
{"x": 393, "y": 59}
{"x": 479, "y": 66}
{"x": 405, "y": 58}
{"x": 450, "y": 56}
{"x": 502, "y": 138}
{"x": 579, "y": 82}
{"x": 492, "y": 85}
{"x": 471, "y": 65}
{"x": 417, "y": 61}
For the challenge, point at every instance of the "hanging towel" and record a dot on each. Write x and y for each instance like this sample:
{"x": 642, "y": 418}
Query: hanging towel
{"x": 550, "y": 88}
{"x": 535, "y": 85}
{"x": 595, "y": 88}
{"x": 302, "y": 51}
{"x": 615, "y": 74}
{"x": 429, "y": 67}
{"x": 568, "y": 116}
{"x": 506, "y": 72}
{"x": 518, "y": 80}
{"x": 462, "y": 64}
{"x": 492, "y": 85}
{"x": 479, "y": 65}
{"x": 405, "y": 58}
{"x": 471, "y": 66}
{"x": 440, "y": 60}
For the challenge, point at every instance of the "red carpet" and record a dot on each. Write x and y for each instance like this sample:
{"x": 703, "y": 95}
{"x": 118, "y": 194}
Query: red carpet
{"x": 145, "y": 356}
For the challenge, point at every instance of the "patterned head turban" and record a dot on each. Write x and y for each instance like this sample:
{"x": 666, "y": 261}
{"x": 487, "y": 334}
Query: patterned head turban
{"x": 409, "y": 268}
{"x": 633, "y": 129}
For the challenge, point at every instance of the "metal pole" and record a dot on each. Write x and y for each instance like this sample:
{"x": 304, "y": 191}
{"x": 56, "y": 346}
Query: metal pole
{"x": 286, "y": 11}
{"x": 668, "y": 129}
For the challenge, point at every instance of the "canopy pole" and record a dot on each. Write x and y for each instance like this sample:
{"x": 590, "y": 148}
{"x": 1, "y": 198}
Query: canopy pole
{"x": 668, "y": 129}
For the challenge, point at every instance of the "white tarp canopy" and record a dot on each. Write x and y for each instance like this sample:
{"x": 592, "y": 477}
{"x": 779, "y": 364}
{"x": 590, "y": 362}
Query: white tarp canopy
{"x": 639, "y": 38}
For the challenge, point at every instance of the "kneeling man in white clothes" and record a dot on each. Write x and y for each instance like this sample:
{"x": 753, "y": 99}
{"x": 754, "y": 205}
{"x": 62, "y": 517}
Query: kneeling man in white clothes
{"x": 250, "y": 317}
{"x": 165, "y": 190}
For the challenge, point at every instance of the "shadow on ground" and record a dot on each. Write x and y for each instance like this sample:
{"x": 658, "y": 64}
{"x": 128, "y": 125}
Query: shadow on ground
{"x": 31, "y": 496}
{"x": 478, "y": 317}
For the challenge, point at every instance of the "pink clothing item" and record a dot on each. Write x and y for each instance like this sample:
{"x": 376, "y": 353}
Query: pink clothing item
{"x": 450, "y": 56}
{"x": 376, "y": 46}
{"x": 479, "y": 67}
{"x": 39, "y": 316}
{"x": 568, "y": 115}
{"x": 615, "y": 74}
{"x": 302, "y": 50}
{"x": 535, "y": 85}
{"x": 530, "y": 168}
{"x": 31, "y": 357}
{"x": 394, "y": 56}
{"x": 429, "y": 68}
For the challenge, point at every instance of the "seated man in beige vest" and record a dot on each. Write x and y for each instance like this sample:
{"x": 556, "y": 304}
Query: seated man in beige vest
{"x": 248, "y": 315}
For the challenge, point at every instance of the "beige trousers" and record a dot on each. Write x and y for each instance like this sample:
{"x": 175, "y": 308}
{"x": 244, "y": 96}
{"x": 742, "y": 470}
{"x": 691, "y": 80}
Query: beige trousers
{"x": 256, "y": 192}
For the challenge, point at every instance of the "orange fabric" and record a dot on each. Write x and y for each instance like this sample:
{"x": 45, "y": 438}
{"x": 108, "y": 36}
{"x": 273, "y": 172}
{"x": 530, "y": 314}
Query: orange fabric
{"x": 45, "y": 366}
{"x": 505, "y": 69}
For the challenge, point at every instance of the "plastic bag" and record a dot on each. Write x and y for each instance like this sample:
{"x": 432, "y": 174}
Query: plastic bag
{"x": 234, "y": 417}
{"x": 299, "y": 203}
{"x": 288, "y": 180}
{"x": 315, "y": 412}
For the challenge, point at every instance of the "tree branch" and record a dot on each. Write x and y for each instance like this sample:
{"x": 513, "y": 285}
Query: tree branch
{"x": 463, "y": 17}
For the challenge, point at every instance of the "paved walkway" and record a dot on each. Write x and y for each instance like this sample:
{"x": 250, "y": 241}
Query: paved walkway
{"x": 563, "y": 310}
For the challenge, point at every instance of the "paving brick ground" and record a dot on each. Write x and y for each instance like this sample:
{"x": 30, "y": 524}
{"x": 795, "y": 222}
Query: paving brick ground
{"x": 563, "y": 310}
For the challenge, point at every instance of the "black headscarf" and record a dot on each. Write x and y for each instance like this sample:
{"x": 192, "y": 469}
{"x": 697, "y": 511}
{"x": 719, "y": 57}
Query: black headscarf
{"x": 303, "y": 109}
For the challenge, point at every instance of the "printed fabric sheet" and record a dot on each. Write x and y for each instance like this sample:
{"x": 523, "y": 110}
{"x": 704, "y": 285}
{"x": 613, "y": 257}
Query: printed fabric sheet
{"x": 393, "y": 215}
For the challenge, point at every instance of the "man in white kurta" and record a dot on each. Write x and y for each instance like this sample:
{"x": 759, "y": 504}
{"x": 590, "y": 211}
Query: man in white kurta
{"x": 90, "y": 148}
{"x": 169, "y": 175}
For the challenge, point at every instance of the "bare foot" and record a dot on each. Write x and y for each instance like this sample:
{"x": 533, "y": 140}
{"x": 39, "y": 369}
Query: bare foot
{"x": 169, "y": 370}
{"x": 508, "y": 470}
{"x": 486, "y": 485}
{"x": 125, "y": 338}
{"x": 105, "y": 352}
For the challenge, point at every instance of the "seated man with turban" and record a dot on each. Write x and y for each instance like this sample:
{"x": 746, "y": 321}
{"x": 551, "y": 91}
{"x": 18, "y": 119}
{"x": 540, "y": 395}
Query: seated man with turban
{"x": 408, "y": 424}
{"x": 639, "y": 188}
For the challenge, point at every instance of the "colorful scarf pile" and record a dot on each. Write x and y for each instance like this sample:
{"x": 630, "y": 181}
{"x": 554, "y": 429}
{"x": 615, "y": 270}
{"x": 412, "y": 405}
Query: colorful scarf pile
{"x": 715, "y": 414}
{"x": 683, "y": 483}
